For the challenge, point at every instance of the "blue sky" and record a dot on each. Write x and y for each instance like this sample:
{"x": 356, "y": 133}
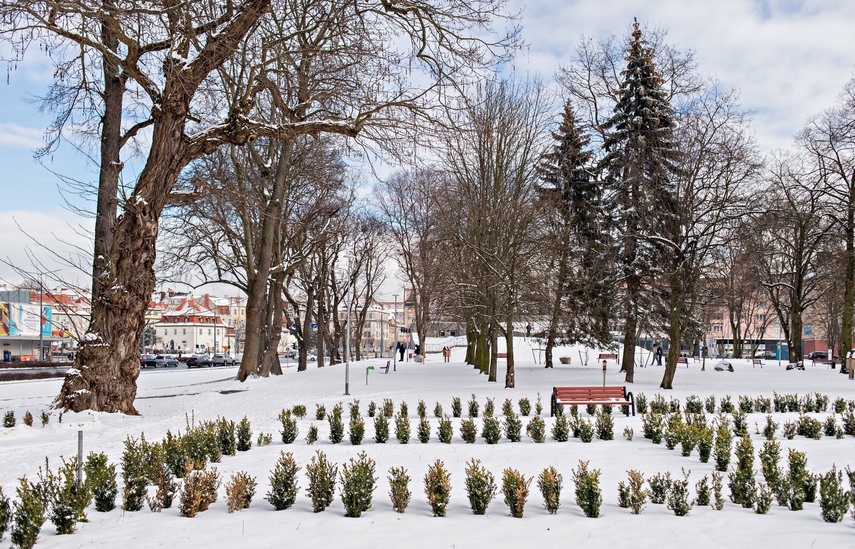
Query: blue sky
{"x": 789, "y": 58}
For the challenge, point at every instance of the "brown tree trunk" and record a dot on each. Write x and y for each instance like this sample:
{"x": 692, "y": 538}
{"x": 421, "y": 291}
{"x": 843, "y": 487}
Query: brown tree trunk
{"x": 510, "y": 380}
{"x": 674, "y": 335}
{"x": 628, "y": 358}
{"x": 494, "y": 365}
{"x": 107, "y": 365}
{"x": 270, "y": 358}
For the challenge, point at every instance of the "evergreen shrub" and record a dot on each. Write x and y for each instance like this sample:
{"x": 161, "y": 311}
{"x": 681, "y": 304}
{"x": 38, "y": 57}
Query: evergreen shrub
{"x": 660, "y": 485}
{"x": 28, "y": 419}
{"x": 336, "y": 424}
{"x": 525, "y": 407}
{"x": 536, "y": 429}
{"x": 320, "y": 412}
{"x": 513, "y": 427}
{"x": 239, "y": 491}
{"x": 381, "y": 429}
{"x": 561, "y": 428}
{"x": 284, "y": 484}
{"x": 402, "y": 428}
{"x": 456, "y": 407}
{"x": 438, "y": 487}
{"x": 321, "y": 474}
{"x": 445, "y": 431}
{"x": 515, "y": 488}
{"x": 28, "y": 515}
{"x": 834, "y": 499}
{"x": 480, "y": 486}
{"x": 357, "y": 484}
{"x": 423, "y": 431}
{"x": 356, "y": 430}
{"x": 244, "y": 435}
{"x": 549, "y": 483}
{"x": 468, "y": 430}
{"x": 491, "y": 430}
{"x": 589, "y": 496}
{"x": 312, "y": 435}
{"x": 290, "y": 430}
{"x": 473, "y": 406}
{"x": 399, "y": 488}
{"x": 678, "y": 496}
{"x": 605, "y": 426}
{"x": 101, "y": 481}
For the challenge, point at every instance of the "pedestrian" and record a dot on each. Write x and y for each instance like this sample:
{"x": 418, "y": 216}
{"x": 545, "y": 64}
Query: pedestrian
{"x": 401, "y": 351}
{"x": 659, "y": 355}
{"x": 446, "y": 353}
{"x": 528, "y": 330}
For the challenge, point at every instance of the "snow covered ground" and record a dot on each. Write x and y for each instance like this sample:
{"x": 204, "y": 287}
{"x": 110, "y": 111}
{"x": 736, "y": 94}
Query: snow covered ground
{"x": 167, "y": 398}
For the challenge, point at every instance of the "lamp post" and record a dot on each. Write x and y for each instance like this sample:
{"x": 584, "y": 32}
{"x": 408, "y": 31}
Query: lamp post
{"x": 41, "y": 319}
{"x": 347, "y": 344}
{"x": 395, "y": 353}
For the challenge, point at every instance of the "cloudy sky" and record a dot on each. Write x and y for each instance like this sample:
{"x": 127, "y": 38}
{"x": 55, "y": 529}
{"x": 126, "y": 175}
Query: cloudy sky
{"x": 789, "y": 58}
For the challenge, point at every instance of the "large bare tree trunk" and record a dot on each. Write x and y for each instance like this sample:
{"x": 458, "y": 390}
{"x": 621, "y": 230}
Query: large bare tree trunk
{"x": 107, "y": 365}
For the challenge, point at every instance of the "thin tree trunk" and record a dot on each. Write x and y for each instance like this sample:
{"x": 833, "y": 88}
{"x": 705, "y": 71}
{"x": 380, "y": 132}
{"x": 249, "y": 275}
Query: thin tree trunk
{"x": 494, "y": 339}
{"x": 510, "y": 380}
{"x": 849, "y": 279}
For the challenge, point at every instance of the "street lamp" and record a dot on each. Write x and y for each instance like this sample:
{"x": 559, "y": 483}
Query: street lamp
{"x": 395, "y": 350}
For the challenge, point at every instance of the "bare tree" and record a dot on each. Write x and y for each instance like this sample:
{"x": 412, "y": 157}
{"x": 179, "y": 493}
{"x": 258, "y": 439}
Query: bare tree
{"x": 719, "y": 163}
{"x": 492, "y": 160}
{"x": 170, "y": 51}
{"x": 410, "y": 203}
{"x": 792, "y": 230}
{"x": 830, "y": 138}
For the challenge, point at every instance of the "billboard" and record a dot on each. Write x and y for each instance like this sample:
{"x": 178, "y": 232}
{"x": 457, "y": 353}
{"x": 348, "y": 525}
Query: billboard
{"x": 24, "y": 320}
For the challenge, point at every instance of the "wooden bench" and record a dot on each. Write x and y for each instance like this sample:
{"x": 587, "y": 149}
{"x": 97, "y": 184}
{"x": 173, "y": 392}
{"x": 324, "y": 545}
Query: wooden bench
{"x": 575, "y": 396}
{"x": 683, "y": 360}
{"x": 607, "y": 356}
{"x": 755, "y": 362}
{"x": 501, "y": 355}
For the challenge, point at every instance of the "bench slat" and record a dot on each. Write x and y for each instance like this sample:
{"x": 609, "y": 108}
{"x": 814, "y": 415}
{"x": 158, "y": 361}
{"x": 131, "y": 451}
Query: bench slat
{"x": 574, "y": 396}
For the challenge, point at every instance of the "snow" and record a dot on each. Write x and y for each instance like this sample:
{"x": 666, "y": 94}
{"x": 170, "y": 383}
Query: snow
{"x": 168, "y": 399}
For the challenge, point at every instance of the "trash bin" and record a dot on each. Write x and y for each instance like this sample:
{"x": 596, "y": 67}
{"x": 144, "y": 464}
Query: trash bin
{"x": 7, "y": 356}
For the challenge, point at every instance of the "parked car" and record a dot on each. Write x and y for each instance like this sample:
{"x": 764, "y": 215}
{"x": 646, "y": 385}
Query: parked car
{"x": 199, "y": 360}
{"x": 169, "y": 360}
{"x": 151, "y": 361}
{"x": 817, "y": 355}
{"x": 223, "y": 359}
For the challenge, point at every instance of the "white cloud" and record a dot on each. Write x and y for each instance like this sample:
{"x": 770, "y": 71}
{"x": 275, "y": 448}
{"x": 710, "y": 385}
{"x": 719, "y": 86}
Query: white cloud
{"x": 789, "y": 58}
{"x": 16, "y": 135}
{"x": 49, "y": 238}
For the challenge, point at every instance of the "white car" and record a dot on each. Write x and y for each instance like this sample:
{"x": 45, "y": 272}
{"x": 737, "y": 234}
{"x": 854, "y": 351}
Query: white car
{"x": 223, "y": 359}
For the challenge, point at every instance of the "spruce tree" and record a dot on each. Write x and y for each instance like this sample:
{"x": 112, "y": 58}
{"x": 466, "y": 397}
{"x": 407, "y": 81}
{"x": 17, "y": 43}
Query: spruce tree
{"x": 638, "y": 167}
{"x": 580, "y": 298}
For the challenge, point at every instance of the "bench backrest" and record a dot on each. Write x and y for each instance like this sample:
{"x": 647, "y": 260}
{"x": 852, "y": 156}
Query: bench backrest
{"x": 570, "y": 393}
{"x": 607, "y": 356}
{"x": 682, "y": 360}
{"x": 756, "y": 361}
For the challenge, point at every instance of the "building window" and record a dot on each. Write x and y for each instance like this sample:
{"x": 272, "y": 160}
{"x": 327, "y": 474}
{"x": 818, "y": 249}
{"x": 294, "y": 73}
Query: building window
{"x": 209, "y": 331}
{"x": 183, "y": 331}
{"x": 200, "y": 331}
{"x": 717, "y": 328}
{"x": 761, "y": 318}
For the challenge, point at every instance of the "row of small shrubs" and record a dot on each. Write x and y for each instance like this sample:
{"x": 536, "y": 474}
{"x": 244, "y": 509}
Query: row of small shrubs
{"x": 492, "y": 429}
{"x": 783, "y": 403}
{"x": 10, "y": 421}
{"x": 357, "y": 482}
{"x": 387, "y": 409}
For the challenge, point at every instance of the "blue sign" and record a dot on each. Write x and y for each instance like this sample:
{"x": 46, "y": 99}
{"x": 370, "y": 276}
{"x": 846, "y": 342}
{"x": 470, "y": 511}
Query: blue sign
{"x": 314, "y": 326}
{"x": 808, "y": 330}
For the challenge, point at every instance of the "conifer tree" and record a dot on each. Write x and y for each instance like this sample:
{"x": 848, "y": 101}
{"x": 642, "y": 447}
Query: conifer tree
{"x": 580, "y": 296}
{"x": 639, "y": 164}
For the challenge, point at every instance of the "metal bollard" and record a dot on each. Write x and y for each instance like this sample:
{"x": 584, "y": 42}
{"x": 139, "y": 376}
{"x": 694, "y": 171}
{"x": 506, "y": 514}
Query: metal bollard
{"x": 604, "y": 373}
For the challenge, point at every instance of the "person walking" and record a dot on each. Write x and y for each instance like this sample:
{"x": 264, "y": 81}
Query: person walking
{"x": 657, "y": 357}
{"x": 446, "y": 353}
{"x": 401, "y": 351}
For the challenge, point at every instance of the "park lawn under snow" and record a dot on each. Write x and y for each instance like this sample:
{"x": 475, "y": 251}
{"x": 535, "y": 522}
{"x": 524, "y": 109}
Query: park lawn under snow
{"x": 168, "y": 398}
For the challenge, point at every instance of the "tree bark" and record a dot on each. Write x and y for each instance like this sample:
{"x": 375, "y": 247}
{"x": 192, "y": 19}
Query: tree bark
{"x": 510, "y": 379}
